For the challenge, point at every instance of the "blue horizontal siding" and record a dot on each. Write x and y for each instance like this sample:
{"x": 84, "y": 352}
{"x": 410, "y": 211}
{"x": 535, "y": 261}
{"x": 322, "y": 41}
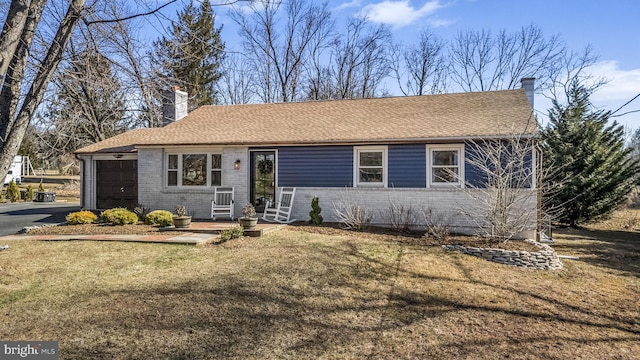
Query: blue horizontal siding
{"x": 332, "y": 166}
{"x": 315, "y": 166}
{"x": 473, "y": 175}
{"x": 407, "y": 166}
{"x": 477, "y": 178}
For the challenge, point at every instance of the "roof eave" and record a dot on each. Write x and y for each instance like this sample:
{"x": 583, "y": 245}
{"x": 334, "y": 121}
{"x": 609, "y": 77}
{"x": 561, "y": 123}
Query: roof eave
{"x": 345, "y": 141}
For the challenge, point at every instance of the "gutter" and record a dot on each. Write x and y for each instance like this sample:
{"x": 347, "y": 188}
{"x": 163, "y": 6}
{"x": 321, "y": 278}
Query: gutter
{"x": 435, "y": 140}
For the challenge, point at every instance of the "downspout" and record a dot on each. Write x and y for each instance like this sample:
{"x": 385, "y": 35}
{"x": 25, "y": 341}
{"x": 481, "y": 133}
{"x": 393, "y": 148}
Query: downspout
{"x": 538, "y": 166}
{"x": 82, "y": 172}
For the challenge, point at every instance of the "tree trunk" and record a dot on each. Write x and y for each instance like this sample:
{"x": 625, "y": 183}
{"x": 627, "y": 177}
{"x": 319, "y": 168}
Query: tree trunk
{"x": 15, "y": 129}
{"x": 10, "y": 93}
{"x": 10, "y": 36}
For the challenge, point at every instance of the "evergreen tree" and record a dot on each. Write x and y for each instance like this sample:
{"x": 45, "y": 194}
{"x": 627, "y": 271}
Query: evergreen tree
{"x": 314, "y": 215}
{"x": 595, "y": 170}
{"x": 190, "y": 58}
{"x": 635, "y": 151}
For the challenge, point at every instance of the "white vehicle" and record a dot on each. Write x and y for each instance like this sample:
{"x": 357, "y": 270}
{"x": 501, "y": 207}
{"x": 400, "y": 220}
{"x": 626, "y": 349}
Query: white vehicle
{"x": 15, "y": 171}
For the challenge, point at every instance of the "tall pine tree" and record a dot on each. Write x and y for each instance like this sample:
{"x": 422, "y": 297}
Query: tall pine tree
{"x": 595, "y": 170}
{"x": 190, "y": 57}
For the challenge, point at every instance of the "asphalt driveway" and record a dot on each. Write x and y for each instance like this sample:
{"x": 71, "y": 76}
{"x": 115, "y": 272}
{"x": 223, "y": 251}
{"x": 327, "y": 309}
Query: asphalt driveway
{"x": 15, "y": 216}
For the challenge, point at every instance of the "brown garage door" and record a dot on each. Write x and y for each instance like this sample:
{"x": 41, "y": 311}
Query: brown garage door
{"x": 117, "y": 183}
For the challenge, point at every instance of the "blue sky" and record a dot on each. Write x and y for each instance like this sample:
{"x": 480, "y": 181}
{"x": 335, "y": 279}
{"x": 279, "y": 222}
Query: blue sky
{"x": 612, "y": 28}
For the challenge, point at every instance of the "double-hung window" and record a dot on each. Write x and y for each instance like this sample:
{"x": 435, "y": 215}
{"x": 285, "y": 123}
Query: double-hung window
{"x": 197, "y": 169}
{"x": 370, "y": 164}
{"x": 445, "y": 165}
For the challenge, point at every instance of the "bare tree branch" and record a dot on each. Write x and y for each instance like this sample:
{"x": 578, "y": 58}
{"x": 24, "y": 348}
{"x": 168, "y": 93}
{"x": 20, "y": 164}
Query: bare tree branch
{"x": 481, "y": 61}
{"x": 505, "y": 192}
{"x": 424, "y": 66}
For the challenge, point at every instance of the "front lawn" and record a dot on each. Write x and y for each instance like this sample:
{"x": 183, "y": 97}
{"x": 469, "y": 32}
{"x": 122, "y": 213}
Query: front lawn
{"x": 297, "y": 294}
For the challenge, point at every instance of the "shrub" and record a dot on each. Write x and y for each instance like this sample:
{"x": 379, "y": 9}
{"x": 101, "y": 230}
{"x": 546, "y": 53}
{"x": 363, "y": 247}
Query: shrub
{"x": 29, "y": 193}
{"x": 352, "y": 216}
{"x": 141, "y": 211}
{"x": 237, "y": 231}
{"x": 41, "y": 187}
{"x": 159, "y": 217}
{"x": 231, "y": 233}
{"x": 401, "y": 216}
{"x": 119, "y": 216}
{"x": 81, "y": 217}
{"x": 316, "y": 218}
{"x": 437, "y": 226}
{"x": 13, "y": 192}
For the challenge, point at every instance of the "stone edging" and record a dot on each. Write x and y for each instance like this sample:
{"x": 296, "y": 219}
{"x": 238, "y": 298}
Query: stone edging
{"x": 26, "y": 229}
{"x": 546, "y": 258}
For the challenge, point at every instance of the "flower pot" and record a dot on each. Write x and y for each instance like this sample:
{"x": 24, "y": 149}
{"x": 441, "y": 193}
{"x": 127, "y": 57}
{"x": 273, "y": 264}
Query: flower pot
{"x": 181, "y": 222}
{"x": 248, "y": 223}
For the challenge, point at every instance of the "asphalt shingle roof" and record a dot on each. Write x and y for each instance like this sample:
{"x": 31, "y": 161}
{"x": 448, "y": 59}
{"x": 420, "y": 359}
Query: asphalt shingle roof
{"x": 380, "y": 120}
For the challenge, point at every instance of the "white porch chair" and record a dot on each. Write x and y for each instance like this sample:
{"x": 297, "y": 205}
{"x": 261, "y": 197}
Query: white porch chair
{"x": 281, "y": 212}
{"x": 222, "y": 203}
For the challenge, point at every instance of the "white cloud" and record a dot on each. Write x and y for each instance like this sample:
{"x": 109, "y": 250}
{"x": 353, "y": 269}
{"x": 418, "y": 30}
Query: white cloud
{"x": 622, "y": 86}
{"x": 440, "y": 22}
{"x": 399, "y": 13}
{"x": 346, "y": 5}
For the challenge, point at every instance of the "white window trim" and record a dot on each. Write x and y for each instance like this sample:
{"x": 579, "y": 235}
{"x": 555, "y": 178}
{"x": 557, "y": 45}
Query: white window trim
{"x": 356, "y": 165}
{"x": 208, "y": 153}
{"x": 461, "y": 164}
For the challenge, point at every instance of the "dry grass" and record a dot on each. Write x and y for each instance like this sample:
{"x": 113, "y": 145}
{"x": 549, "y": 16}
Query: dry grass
{"x": 612, "y": 244}
{"x": 298, "y": 294}
{"x": 66, "y": 190}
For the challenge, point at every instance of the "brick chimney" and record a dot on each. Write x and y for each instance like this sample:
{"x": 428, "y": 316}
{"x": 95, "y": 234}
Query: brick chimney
{"x": 528, "y": 84}
{"x": 174, "y": 105}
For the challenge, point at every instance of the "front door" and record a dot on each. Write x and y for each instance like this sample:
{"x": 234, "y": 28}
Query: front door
{"x": 263, "y": 178}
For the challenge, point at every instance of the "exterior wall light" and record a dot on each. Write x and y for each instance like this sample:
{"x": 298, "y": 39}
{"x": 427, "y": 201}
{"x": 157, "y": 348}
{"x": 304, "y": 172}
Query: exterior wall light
{"x": 236, "y": 165}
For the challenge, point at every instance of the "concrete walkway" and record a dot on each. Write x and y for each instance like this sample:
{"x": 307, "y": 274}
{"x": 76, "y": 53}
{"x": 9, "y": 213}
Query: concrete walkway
{"x": 199, "y": 233}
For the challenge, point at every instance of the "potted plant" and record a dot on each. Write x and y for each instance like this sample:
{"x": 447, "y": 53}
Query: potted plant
{"x": 249, "y": 220}
{"x": 181, "y": 220}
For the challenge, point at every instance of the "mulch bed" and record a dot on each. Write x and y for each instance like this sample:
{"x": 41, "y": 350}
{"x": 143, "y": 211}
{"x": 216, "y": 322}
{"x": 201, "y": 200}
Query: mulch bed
{"x": 95, "y": 229}
{"x": 413, "y": 237}
{"x": 373, "y": 233}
